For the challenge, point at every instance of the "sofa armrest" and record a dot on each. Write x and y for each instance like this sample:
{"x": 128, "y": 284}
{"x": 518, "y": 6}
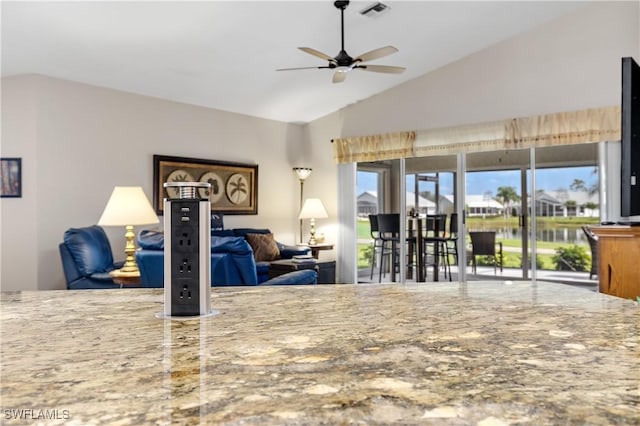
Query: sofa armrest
{"x": 287, "y": 252}
{"x": 303, "y": 276}
{"x": 71, "y": 272}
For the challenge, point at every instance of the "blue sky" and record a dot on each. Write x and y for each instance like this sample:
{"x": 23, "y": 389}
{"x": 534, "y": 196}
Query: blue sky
{"x": 480, "y": 182}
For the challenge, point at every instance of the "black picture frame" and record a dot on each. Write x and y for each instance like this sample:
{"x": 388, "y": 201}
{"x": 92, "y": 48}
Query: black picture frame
{"x": 10, "y": 177}
{"x": 234, "y": 186}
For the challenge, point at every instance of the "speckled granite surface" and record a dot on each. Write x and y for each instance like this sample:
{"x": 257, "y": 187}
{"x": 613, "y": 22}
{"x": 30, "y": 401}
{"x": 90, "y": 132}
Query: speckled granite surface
{"x": 451, "y": 354}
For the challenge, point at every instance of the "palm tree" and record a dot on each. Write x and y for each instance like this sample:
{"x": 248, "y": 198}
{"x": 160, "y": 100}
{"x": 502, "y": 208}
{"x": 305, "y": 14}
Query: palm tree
{"x": 595, "y": 187}
{"x": 578, "y": 185}
{"x": 506, "y": 195}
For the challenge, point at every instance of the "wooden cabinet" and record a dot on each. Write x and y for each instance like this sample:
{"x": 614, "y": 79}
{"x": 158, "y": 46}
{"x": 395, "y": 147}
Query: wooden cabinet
{"x": 619, "y": 260}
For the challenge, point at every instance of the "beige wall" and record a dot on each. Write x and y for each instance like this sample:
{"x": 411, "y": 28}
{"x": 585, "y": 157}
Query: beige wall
{"x": 78, "y": 142}
{"x": 18, "y": 216}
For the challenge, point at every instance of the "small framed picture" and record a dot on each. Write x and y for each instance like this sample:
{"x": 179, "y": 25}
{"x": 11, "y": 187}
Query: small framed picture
{"x": 10, "y": 177}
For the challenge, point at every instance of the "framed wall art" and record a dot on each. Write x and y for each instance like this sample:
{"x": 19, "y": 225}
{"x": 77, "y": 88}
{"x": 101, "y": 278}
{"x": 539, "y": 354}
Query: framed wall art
{"x": 234, "y": 186}
{"x": 10, "y": 177}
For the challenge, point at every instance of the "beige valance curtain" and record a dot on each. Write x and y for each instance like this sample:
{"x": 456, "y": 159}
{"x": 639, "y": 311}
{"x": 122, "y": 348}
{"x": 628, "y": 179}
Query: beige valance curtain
{"x": 566, "y": 128}
{"x": 563, "y": 128}
{"x": 374, "y": 147}
{"x": 488, "y": 136}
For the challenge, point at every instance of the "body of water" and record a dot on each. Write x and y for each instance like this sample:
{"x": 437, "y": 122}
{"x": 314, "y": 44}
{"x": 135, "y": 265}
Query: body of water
{"x": 569, "y": 235}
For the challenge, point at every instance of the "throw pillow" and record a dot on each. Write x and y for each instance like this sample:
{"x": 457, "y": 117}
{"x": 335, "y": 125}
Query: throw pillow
{"x": 264, "y": 247}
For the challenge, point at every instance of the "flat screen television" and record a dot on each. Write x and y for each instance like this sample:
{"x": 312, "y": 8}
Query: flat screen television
{"x": 630, "y": 140}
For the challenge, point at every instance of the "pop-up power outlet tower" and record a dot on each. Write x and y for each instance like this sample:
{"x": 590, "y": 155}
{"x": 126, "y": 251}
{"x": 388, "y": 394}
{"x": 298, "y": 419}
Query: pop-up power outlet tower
{"x": 187, "y": 247}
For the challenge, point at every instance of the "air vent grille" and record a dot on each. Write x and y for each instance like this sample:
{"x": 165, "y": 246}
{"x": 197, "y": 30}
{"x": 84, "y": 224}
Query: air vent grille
{"x": 374, "y": 9}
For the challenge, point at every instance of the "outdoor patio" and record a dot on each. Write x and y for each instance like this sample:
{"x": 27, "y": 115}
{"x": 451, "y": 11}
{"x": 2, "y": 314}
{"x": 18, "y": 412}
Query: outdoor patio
{"x": 484, "y": 273}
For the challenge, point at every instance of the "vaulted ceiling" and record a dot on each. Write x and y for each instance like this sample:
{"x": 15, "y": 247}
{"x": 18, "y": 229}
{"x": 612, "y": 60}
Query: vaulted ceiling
{"x": 224, "y": 54}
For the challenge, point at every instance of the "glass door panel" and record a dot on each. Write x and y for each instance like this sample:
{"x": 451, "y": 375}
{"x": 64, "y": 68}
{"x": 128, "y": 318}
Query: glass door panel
{"x": 497, "y": 210}
{"x": 567, "y": 198}
{"x": 374, "y": 195}
{"x": 430, "y": 190}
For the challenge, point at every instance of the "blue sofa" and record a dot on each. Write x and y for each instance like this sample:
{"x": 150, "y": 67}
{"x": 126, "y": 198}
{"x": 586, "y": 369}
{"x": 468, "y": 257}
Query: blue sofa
{"x": 262, "y": 268}
{"x": 232, "y": 260}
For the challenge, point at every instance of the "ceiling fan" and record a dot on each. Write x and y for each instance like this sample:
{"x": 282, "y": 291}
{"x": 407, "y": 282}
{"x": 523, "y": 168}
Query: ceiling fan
{"x": 343, "y": 63}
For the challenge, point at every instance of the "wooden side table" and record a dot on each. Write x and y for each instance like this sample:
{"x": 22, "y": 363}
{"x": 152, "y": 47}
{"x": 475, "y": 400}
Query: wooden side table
{"x": 326, "y": 270}
{"x": 125, "y": 278}
{"x": 315, "y": 248}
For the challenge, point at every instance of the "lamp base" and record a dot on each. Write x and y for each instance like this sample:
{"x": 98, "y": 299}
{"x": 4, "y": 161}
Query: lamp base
{"x": 312, "y": 233}
{"x": 125, "y": 278}
{"x": 130, "y": 265}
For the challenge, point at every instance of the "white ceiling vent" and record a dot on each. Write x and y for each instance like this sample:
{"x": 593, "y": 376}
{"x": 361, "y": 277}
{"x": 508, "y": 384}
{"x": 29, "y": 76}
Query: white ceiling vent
{"x": 374, "y": 10}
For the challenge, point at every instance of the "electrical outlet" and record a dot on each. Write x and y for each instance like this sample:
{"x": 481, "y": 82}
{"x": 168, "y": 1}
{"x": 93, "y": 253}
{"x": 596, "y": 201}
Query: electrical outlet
{"x": 187, "y": 252}
{"x": 185, "y": 267}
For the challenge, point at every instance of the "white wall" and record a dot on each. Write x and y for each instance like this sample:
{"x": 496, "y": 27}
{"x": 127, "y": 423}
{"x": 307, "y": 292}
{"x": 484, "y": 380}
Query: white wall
{"x": 568, "y": 64}
{"x": 78, "y": 142}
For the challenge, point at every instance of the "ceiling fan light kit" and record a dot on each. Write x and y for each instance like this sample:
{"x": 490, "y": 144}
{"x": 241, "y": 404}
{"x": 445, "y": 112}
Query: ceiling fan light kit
{"x": 343, "y": 63}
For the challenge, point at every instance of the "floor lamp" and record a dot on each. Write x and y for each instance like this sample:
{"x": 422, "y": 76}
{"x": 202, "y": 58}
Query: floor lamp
{"x": 303, "y": 173}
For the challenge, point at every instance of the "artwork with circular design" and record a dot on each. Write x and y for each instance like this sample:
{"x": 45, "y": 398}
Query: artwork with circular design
{"x": 178, "y": 176}
{"x": 233, "y": 187}
{"x": 217, "y": 187}
{"x": 237, "y": 188}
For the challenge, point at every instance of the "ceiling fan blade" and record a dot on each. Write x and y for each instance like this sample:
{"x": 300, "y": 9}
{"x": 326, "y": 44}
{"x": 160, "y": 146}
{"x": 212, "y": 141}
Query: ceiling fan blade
{"x": 339, "y": 76}
{"x": 300, "y": 68}
{"x": 377, "y": 53}
{"x": 314, "y": 52}
{"x": 387, "y": 69}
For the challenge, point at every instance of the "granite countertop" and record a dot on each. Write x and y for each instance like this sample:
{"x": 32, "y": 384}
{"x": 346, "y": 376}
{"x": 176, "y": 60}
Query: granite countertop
{"x": 452, "y": 354}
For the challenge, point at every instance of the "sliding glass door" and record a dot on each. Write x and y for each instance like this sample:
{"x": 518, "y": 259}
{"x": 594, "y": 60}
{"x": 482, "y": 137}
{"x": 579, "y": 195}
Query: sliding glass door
{"x": 529, "y": 200}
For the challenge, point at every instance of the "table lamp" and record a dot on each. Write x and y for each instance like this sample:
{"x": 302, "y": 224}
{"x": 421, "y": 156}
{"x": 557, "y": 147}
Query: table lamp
{"x": 313, "y": 209}
{"x": 128, "y": 206}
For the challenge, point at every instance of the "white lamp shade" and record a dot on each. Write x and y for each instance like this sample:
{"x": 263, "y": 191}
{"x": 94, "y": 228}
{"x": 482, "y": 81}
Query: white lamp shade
{"x": 313, "y": 209}
{"x": 128, "y": 206}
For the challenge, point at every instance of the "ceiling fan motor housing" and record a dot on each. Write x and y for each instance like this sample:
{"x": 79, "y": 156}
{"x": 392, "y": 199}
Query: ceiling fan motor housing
{"x": 343, "y": 59}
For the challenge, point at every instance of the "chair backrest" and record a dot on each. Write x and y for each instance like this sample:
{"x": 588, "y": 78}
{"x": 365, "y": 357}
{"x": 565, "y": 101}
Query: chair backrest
{"x": 593, "y": 245}
{"x": 436, "y": 224}
{"x": 591, "y": 237}
{"x": 389, "y": 224}
{"x": 453, "y": 225}
{"x": 373, "y": 224}
{"x": 90, "y": 249}
{"x": 483, "y": 243}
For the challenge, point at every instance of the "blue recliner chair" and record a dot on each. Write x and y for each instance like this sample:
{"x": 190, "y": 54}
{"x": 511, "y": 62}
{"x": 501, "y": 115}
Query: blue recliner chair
{"x": 87, "y": 259}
